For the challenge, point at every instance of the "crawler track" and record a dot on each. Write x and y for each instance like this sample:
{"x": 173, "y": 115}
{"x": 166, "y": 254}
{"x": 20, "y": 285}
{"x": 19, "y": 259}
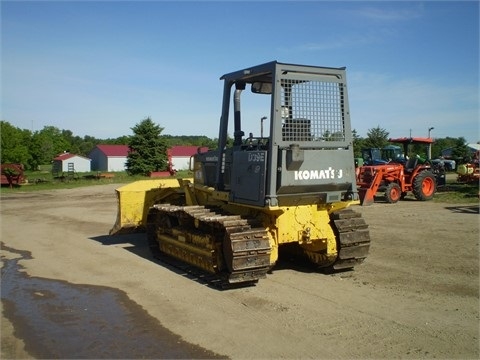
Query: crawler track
{"x": 229, "y": 251}
{"x": 225, "y": 246}
{"x": 353, "y": 242}
{"x": 353, "y": 238}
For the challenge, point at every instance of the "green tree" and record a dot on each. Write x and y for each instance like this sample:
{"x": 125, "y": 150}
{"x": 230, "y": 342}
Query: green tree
{"x": 74, "y": 143}
{"x": 148, "y": 150}
{"x": 14, "y": 144}
{"x": 460, "y": 150}
{"x": 190, "y": 140}
{"x": 458, "y": 145}
{"x": 46, "y": 145}
{"x": 122, "y": 140}
{"x": 439, "y": 145}
{"x": 358, "y": 144}
{"x": 376, "y": 138}
{"x": 88, "y": 143}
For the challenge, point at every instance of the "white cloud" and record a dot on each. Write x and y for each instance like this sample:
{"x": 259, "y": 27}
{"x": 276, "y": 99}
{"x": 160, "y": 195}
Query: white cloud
{"x": 408, "y": 11}
{"x": 346, "y": 41}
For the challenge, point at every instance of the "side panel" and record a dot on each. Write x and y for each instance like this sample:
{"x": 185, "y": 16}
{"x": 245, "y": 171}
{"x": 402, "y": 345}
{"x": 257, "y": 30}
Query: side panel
{"x": 248, "y": 177}
{"x": 205, "y": 167}
{"x": 321, "y": 176}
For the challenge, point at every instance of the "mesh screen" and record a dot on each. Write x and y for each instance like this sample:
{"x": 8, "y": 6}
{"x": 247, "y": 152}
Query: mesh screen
{"x": 312, "y": 111}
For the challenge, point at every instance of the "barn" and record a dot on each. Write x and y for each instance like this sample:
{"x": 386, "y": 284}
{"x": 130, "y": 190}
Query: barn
{"x": 67, "y": 162}
{"x": 181, "y": 155}
{"x": 109, "y": 157}
{"x": 114, "y": 157}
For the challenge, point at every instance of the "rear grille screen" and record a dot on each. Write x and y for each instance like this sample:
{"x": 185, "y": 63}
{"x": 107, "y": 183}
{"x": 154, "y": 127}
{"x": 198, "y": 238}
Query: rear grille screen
{"x": 312, "y": 111}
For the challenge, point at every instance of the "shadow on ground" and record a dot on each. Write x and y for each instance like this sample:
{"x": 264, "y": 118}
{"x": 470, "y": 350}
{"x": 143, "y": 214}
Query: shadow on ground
{"x": 136, "y": 243}
{"x": 467, "y": 209}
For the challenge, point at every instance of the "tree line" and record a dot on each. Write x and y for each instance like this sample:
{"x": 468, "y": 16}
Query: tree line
{"x": 34, "y": 148}
{"x": 378, "y": 138}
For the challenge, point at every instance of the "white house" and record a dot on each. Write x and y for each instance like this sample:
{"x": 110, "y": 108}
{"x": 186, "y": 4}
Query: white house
{"x": 109, "y": 157}
{"x": 70, "y": 162}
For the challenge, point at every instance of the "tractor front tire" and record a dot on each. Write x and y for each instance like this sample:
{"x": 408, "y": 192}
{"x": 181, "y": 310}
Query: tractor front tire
{"x": 393, "y": 193}
{"x": 424, "y": 185}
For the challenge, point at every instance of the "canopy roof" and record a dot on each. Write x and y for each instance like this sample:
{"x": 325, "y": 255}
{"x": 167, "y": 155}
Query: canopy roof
{"x": 412, "y": 140}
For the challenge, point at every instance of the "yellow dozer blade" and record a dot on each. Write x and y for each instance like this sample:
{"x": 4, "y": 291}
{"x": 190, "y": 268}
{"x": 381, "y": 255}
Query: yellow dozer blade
{"x": 136, "y": 198}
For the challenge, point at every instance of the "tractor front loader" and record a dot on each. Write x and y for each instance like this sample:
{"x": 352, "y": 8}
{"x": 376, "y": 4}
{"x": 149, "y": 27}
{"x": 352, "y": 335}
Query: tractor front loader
{"x": 395, "y": 179}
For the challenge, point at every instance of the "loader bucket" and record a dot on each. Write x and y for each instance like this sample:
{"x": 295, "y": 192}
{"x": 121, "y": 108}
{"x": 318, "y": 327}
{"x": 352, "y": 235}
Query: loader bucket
{"x": 367, "y": 196}
{"x": 136, "y": 198}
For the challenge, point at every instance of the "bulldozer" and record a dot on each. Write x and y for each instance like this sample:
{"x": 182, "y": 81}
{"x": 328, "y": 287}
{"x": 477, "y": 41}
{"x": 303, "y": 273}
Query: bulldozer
{"x": 290, "y": 188}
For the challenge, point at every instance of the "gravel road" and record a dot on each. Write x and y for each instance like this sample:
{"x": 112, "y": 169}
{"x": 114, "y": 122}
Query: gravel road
{"x": 416, "y": 296}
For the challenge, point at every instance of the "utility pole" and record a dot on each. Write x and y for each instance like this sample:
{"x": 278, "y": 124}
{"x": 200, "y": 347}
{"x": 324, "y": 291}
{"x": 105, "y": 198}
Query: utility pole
{"x": 430, "y": 145}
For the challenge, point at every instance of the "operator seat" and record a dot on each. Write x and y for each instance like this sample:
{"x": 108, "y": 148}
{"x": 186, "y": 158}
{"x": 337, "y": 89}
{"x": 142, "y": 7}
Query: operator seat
{"x": 411, "y": 164}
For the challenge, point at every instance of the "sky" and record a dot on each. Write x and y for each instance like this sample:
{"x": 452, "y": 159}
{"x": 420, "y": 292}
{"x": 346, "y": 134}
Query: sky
{"x": 99, "y": 68}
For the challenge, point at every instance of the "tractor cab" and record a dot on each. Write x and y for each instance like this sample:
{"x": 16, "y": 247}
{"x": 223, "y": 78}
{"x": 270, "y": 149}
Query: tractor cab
{"x": 389, "y": 153}
{"x": 413, "y": 161}
{"x": 372, "y": 156}
{"x": 408, "y": 144}
{"x": 393, "y": 153}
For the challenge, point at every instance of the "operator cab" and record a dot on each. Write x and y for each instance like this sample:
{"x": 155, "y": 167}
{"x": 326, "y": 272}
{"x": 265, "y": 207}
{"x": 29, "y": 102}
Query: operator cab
{"x": 299, "y": 147}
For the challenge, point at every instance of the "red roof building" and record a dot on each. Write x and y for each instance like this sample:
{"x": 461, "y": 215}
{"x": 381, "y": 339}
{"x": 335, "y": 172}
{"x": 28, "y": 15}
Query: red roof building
{"x": 114, "y": 157}
{"x": 109, "y": 157}
{"x": 70, "y": 162}
{"x": 114, "y": 150}
{"x": 181, "y": 155}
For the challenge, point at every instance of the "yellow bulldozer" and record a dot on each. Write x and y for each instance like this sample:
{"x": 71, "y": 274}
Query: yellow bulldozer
{"x": 291, "y": 187}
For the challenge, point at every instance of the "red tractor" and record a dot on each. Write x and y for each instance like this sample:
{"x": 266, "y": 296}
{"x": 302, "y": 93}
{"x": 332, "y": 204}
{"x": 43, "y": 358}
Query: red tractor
{"x": 397, "y": 179}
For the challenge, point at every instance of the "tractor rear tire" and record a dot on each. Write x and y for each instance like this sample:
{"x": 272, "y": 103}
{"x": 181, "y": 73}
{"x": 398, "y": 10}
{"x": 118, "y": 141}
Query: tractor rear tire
{"x": 424, "y": 185}
{"x": 393, "y": 193}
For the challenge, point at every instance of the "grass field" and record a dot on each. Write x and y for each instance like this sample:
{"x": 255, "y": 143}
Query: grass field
{"x": 44, "y": 180}
{"x": 454, "y": 191}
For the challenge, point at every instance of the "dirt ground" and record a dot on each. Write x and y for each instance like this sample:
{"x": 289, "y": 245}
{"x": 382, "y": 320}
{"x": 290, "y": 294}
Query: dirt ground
{"x": 416, "y": 296}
